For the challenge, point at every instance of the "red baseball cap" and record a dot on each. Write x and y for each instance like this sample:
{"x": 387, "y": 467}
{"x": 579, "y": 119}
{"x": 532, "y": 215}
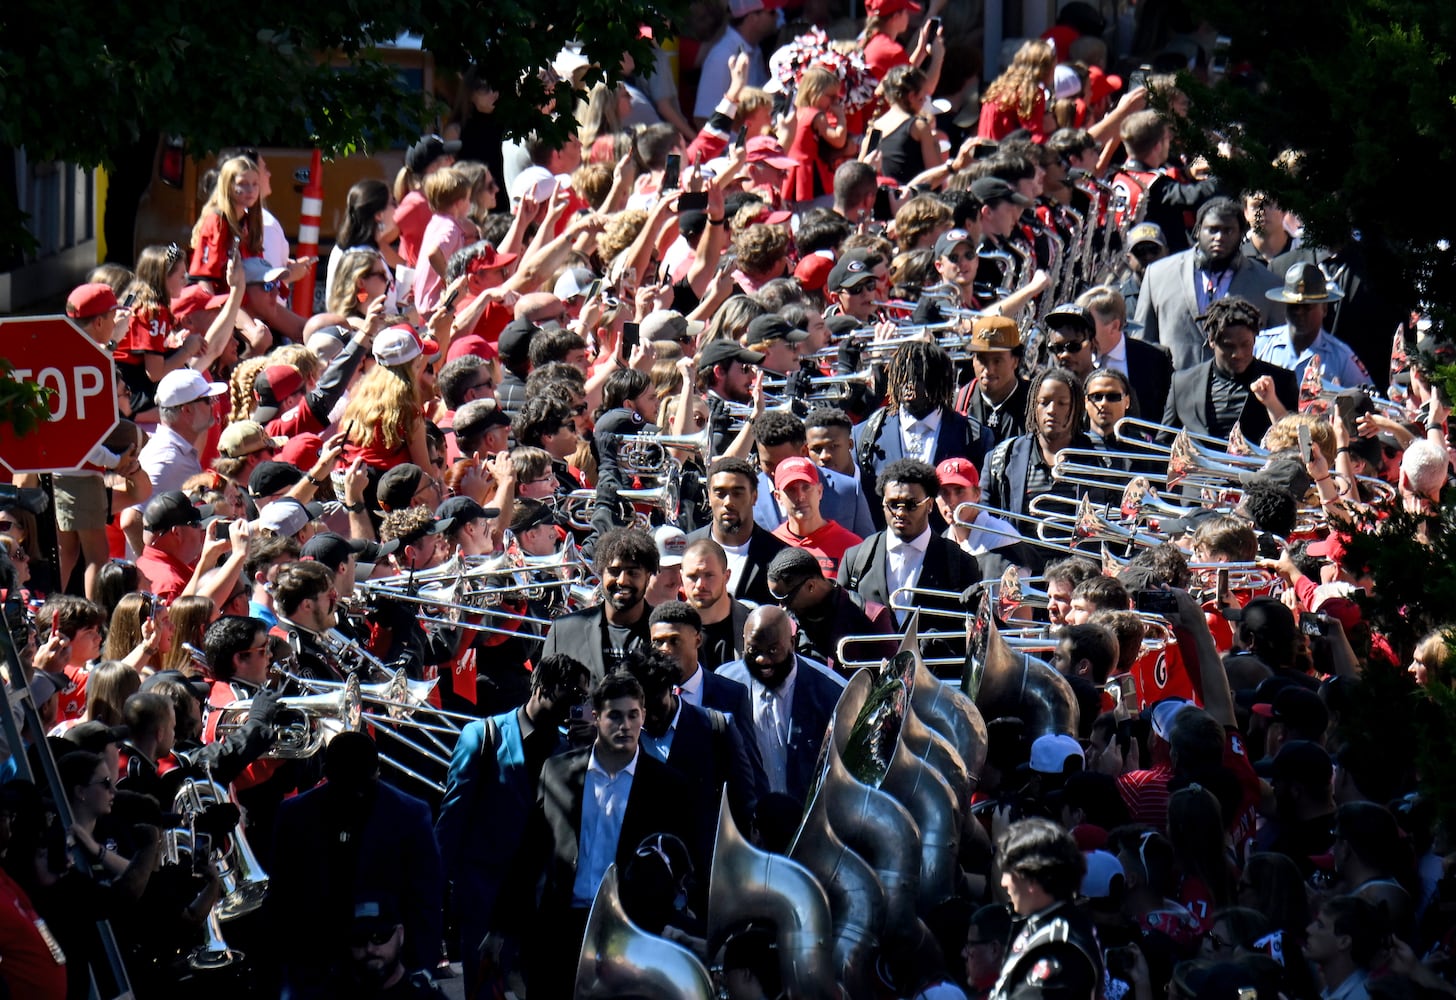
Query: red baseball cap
{"x": 795, "y": 470}
{"x": 194, "y": 298}
{"x": 1101, "y": 84}
{"x": 488, "y": 260}
{"x": 281, "y": 380}
{"x": 813, "y": 271}
{"x": 90, "y": 300}
{"x": 958, "y": 472}
{"x": 766, "y": 149}
{"x": 1331, "y": 547}
{"x": 884, "y": 8}
{"x": 302, "y": 450}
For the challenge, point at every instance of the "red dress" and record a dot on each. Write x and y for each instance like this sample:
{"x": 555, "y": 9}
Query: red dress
{"x": 811, "y": 176}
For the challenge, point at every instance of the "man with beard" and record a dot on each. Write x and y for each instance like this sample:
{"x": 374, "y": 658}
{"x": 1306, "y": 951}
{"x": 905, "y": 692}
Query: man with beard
{"x": 732, "y": 493}
{"x": 1233, "y": 387}
{"x": 601, "y": 636}
{"x": 910, "y": 553}
{"x": 375, "y": 968}
{"x": 726, "y": 373}
{"x": 919, "y": 422}
{"x": 793, "y": 700}
{"x": 1177, "y": 290}
{"x": 705, "y": 577}
{"x": 308, "y": 606}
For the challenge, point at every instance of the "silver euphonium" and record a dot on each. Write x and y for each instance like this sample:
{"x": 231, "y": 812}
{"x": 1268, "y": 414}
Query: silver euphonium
{"x": 244, "y": 882}
{"x": 304, "y": 724}
{"x": 649, "y": 454}
{"x": 620, "y": 959}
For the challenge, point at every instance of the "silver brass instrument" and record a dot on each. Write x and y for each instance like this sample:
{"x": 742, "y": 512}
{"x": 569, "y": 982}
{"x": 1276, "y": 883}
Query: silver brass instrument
{"x": 213, "y": 953}
{"x": 1004, "y": 682}
{"x": 305, "y": 724}
{"x": 245, "y": 884}
{"x": 650, "y": 454}
{"x": 620, "y": 959}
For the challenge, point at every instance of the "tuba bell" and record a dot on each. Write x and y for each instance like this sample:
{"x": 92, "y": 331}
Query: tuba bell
{"x": 946, "y": 709}
{"x": 750, "y": 884}
{"x": 1005, "y": 682}
{"x": 620, "y": 959}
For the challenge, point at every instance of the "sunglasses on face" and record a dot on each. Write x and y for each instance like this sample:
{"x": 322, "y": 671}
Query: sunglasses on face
{"x": 1105, "y": 397}
{"x": 905, "y": 506}
{"x": 956, "y": 258}
{"x": 1067, "y": 347}
{"x": 378, "y": 938}
{"x": 6, "y": 524}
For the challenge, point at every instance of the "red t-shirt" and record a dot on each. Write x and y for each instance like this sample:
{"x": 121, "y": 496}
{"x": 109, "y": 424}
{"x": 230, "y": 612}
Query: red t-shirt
{"x": 1146, "y": 794}
{"x": 482, "y": 337}
{"x": 412, "y": 216}
{"x": 71, "y": 699}
{"x": 167, "y": 575}
{"x": 828, "y": 544}
{"x": 299, "y": 420}
{"x": 997, "y": 122}
{"x": 146, "y": 333}
{"x": 34, "y": 966}
{"x": 882, "y": 54}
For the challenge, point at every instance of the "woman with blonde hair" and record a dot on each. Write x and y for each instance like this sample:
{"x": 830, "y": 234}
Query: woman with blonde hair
{"x": 731, "y": 320}
{"x": 362, "y": 277}
{"x": 240, "y": 388}
{"x": 821, "y": 131}
{"x": 385, "y": 412}
{"x": 189, "y": 617}
{"x": 231, "y": 218}
{"x": 1017, "y": 98}
{"x": 1433, "y": 658}
{"x": 601, "y": 118}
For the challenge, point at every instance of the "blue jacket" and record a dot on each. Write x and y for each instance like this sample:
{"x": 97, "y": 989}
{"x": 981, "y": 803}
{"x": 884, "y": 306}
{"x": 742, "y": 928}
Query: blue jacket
{"x": 816, "y": 692}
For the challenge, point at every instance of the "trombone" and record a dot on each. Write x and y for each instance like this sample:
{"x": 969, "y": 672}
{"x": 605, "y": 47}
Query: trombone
{"x": 828, "y": 388}
{"x": 961, "y": 519}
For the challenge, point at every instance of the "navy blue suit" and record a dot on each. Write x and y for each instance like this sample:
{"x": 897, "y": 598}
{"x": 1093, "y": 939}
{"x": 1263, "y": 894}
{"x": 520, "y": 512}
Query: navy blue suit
{"x": 816, "y": 692}
{"x": 708, "y": 760}
{"x": 389, "y": 853}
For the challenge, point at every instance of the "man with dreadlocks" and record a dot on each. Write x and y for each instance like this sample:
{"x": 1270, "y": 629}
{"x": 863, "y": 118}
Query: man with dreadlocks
{"x": 1020, "y": 469}
{"x": 1232, "y": 387}
{"x": 919, "y": 422}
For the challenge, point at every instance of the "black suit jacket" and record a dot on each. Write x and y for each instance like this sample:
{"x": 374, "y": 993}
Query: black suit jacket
{"x": 582, "y": 635}
{"x": 655, "y": 805}
{"x": 1150, "y": 370}
{"x": 708, "y": 759}
{"x": 762, "y": 547}
{"x": 816, "y": 692}
{"x": 1190, "y": 406}
{"x": 947, "y": 566}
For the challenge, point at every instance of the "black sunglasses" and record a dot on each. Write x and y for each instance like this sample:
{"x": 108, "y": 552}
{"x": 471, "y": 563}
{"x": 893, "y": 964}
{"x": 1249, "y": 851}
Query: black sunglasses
{"x": 1067, "y": 347}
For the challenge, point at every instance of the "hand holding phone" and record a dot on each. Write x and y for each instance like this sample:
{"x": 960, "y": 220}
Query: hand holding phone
{"x": 1304, "y": 452}
{"x": 670, "y": 181}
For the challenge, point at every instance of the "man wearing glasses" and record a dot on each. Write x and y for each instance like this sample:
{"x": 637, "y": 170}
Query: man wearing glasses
{"x": 185, "y": 399}
{"x": 908, "y": 553}
{"x": 1069, "y": 339}
{"x": 825, "y": 611}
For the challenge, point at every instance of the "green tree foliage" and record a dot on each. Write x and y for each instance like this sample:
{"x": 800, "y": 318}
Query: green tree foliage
{"x": 1366, "y": 90}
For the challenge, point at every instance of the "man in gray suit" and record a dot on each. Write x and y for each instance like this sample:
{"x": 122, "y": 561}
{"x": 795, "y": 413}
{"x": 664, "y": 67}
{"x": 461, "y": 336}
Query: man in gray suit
{"x": 1178, "y": 289}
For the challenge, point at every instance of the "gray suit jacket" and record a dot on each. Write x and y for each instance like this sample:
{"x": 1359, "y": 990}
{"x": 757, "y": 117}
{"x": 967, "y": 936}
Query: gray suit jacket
{"x": 1167, "y": 307}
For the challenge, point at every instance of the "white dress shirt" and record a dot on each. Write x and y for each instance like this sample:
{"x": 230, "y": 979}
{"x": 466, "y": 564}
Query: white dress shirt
{"x": 905, "y": 560}
{"x": 691, "y": 690}
{"x": 771, "y": 712}
{"x": 1116, "y": 358}
{"x": 918, "y": 437}
{"x": 603, "y": 806}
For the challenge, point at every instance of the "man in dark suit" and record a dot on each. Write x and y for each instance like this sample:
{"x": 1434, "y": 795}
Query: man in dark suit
{"x": 491, "y": 790}
{"x": 1148, "y": 367}
{"x": 1178, "y": 289}
{"x": 1234, "y": 388}
{"x": 602, "y": 635}
{"x": 920, "y": 422}
{"x": 732, "y": 493}
{"x": 350, "y": 838}
{"x": 594, "y": 806}
{"x": 910, "y": 553}
{"x": 703, "y": 745}
{"x": 793, "y": 700}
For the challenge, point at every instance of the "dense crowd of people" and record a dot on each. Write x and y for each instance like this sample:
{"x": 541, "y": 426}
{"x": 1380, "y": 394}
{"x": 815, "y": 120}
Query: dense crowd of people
{"x": 628, "y": 449}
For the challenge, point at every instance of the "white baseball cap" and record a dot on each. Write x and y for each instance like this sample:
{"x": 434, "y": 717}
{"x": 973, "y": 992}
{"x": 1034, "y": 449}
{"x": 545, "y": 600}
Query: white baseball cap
{"x": 183, "y": 386}
{"x": 671, "y": 544}
{"x": 397, "y": 346}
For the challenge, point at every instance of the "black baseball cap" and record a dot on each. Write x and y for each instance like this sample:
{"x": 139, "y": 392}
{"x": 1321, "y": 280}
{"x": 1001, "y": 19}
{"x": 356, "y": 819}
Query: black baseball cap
{"x": 724, "y": 351}
{"x": 530, "y": 514}
{"x": 1071, "y": 314}
{"x": 398, "y": 486}
{"x": 332, "y": 549}
{"x": 1300, "y": 761}
{"x": 427, "y": 151}
{"x": 96, "y": 736}
{"x": 772, "y": 326}
{"x": 989, "y": 190}
{"x": 268, "y": 478}
{"x": 850, "y": 270}
{"x": 1297, "y": 707}
{"x": 463, "y": 510}
{"x": 200, "y": 688}
{"x": 1265, "y": 615}
{"x": 172, "y": 509}
{"x": 514, "y": 343}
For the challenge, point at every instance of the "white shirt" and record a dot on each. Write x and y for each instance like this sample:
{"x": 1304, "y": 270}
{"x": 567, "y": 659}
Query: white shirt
{"x": 603, "y": 807}
{"x": 979, "y": 541}
{"x": 906, "y": 559}
{"x": 918, "y": 437}
{"x": 275, "y": 241}
{"x": 772, "y": 708}
{"x": 1116, "y": 358}
{"x": 737, "y": 559}
{"x": 714, "y": 80}
{"x": 169, "y": 460}
{"x": 691, "y": 690}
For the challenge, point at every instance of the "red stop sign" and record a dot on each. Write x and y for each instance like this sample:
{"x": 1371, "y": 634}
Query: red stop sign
{"x": 55, "y": 353}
